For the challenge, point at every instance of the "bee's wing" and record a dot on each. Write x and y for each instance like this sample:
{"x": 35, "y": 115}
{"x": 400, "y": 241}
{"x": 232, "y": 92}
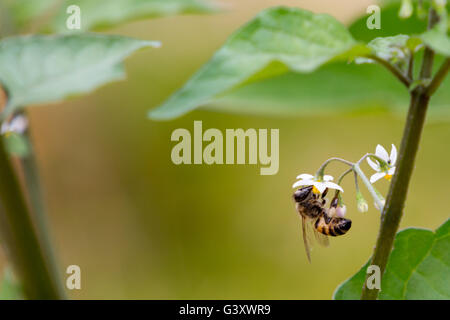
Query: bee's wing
{"x": 308, "y": 232}
{"x": 321, "y": 238}
{"x": 307, "y": 236}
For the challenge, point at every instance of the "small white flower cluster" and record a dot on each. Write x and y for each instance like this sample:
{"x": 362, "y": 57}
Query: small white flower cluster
{"x": 319, "y": 185}
{"x": 382, "y": 162}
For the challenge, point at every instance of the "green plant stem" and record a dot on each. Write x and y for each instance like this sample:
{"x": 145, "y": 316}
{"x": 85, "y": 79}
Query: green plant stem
{"x": 36, "y": 198}
{"x": 393, "y": 69}
{"x": 20, "y": 239}
{"x": 410, "y": 72}
{"x": 393, "y": 210}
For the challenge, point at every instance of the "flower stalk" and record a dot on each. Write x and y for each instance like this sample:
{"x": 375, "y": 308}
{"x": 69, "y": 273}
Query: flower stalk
{"x": 321, "y": 170}
{"x": 368, "y": 185}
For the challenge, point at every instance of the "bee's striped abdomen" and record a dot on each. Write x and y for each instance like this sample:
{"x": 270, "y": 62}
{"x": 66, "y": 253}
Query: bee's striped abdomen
{"x": 332, "y": 226}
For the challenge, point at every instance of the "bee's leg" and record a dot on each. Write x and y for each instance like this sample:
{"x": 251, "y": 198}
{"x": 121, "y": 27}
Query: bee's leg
{"x": 334, "y": 203}
{"x": 324, "y": 194}
{"x": 327, "y": 218}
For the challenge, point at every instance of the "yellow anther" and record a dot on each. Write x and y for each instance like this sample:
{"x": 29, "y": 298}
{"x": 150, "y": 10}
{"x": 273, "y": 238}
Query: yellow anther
{"x": 315, "y": 190}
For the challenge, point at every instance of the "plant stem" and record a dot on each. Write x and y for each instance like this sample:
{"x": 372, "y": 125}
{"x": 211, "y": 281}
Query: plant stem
{"x": 21, "y": 242}
{"x": 35, "y": 194}
{"x": 393, "y": 210}
{"x": 393, "y": 69}
{"x": 410, "y": 72}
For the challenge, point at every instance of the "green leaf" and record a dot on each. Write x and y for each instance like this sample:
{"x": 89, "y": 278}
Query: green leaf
{"x": 42, "y": 69}
{"x": 334, "y": 88}
{"x": 394, "y": 49}
{"x": 388, "y": 47}
{"x": 10, "y": 289}
{"x": 106, "y": 13}
{"x": 339, "y": 88}
{"x": 418, "y": 268}
{"x": 351, "y": 288}
{"x": 278, "y": 40}
{"x": 437, "y": 40}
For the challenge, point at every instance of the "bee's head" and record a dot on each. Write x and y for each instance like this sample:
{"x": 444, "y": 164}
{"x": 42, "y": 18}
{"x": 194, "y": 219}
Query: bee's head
{"x": 302, "y": 194}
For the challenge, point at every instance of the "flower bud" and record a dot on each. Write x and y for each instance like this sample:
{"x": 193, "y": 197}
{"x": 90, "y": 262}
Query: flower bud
{"x": 341, "y": 210}
{"x": 361, "y": 202}
{"x": 363, "y": 206}
{"x": 406, "y": 9}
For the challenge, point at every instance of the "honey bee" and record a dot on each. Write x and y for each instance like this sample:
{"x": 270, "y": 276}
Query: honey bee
{"x": 318, "y": 220}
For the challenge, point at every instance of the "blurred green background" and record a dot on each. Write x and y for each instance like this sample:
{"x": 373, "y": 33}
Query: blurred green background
{"x": 141, "y": 227}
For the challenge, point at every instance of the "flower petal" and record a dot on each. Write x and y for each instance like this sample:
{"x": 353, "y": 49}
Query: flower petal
{"x": 327, "y": 178}
{"x": 382, "y": 153}
{"x": 375, "y": 166}
{"x": 377, "y": 176}
{"x": 303, "y": 183}
{"x": 305, "y": 176}
{"x": 321, "y": 186}
{"x": 333, "y": 185}
{"x": 393, "y": 156}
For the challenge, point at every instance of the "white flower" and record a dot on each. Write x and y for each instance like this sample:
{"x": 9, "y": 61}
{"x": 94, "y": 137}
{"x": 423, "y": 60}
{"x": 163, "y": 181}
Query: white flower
{"x": 319, "y": 185}
{"x": 385, "y": 169}
{"x": 18, "y": 124}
